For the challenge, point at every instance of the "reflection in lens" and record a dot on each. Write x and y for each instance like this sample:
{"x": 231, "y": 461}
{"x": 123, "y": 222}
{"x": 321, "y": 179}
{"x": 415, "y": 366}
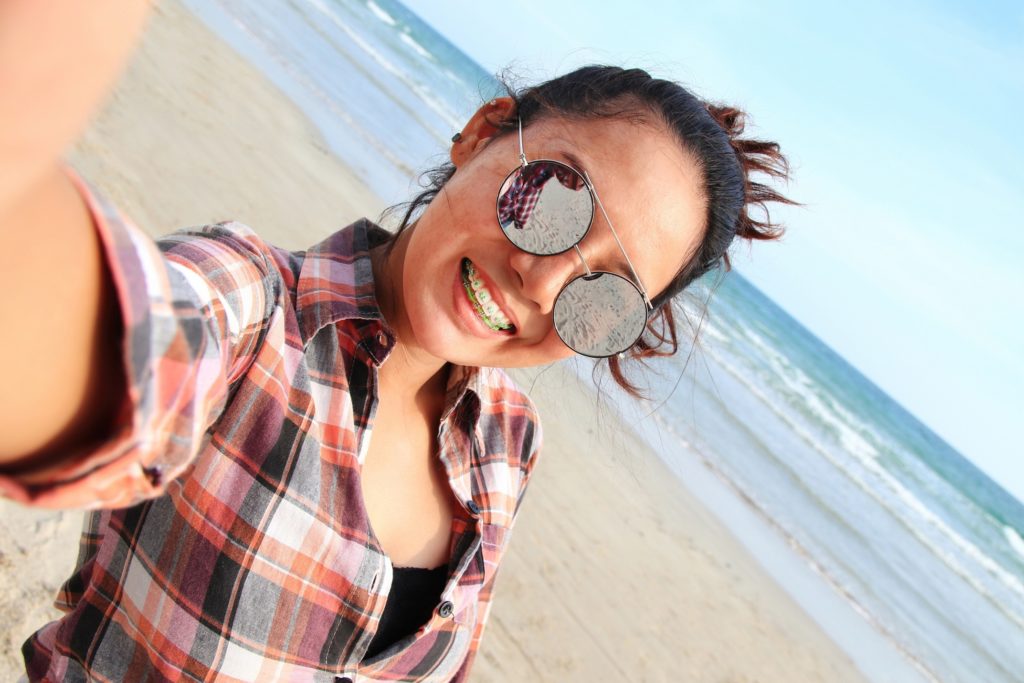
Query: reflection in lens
{"x": 545, "y": 207}
{"x": 600, "y": 315}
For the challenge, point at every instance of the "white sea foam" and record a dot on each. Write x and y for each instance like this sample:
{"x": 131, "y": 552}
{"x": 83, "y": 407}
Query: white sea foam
{"x": 301, "y": 77}
{"x": 419, "y": 49}
{"x": 827, "y": 410}
{"x": 433, "y": 102}
{"x": 380, "y": 13}
{"x": 711, "y": 330}
{"x": 1014, "y": 539}
{"x": 892, "y": 490}
{"x": 762, "y": 511}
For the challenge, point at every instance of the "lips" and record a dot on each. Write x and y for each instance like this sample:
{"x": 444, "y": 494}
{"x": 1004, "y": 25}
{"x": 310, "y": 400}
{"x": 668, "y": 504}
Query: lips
{"x": 483, "y": 301}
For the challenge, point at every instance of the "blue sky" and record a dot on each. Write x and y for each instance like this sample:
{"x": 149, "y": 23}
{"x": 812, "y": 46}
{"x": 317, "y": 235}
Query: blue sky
{"x": 902, "y": 123}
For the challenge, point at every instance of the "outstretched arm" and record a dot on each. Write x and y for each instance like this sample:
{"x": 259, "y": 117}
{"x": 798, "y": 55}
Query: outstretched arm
{"x": 59, "y": 344}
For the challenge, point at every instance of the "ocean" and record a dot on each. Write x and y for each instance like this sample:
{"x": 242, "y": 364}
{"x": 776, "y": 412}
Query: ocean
{"x": 910, "y": 557}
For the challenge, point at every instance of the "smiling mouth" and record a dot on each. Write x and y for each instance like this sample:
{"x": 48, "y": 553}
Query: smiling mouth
{"x": 483, "y": 302}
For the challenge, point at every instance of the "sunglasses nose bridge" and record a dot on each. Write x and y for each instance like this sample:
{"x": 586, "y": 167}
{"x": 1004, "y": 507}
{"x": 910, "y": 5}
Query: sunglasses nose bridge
{"x": 541, "y": 278}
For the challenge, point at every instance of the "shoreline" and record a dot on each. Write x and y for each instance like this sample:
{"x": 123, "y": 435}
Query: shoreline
{"x": 782, "y": 557}
{"x": 746, "y": 624}
{"x": 846, "y": 622}
{"x": 616, "y": 569}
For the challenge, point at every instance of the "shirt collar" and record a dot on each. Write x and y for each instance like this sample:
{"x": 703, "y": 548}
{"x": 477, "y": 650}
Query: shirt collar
{"x": 336, "y": 283}
{"x": 336, "y": 279}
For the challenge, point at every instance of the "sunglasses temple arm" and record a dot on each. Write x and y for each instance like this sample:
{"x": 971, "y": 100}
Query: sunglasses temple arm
{"x": 522, "y": 151}
{"x": 579, "y": 253}
{"x": 597, "y": 198}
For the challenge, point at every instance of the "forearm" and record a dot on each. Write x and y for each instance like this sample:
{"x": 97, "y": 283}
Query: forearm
{"x": 60, "y": 347}
{"x": 58, "y": 58}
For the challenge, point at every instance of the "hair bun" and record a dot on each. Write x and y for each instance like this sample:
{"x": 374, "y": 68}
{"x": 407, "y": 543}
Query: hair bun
{"x": 731, "y": 119}
{"x": 755, "y": 157}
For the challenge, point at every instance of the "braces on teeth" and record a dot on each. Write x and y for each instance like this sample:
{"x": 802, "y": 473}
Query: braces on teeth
{"x": 482, "y": 300}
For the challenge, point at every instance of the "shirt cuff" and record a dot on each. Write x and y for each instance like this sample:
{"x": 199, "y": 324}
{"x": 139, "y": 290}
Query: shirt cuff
{"x": 124, "y": 468}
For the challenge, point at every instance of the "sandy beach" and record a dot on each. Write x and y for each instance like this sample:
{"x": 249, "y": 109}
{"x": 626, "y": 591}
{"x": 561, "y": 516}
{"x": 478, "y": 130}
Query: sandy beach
{"x": 615, "y": 571}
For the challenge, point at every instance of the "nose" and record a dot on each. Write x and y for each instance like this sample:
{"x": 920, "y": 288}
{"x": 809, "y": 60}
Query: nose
{"x": 541, "y": 278}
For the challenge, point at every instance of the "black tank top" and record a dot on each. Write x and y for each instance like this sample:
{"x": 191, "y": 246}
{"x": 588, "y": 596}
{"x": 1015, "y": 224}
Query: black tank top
{"x": 415, "y": 594}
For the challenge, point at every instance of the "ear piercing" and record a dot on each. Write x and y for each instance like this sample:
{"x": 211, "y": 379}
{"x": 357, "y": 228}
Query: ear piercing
{"x": 458, "y": 136}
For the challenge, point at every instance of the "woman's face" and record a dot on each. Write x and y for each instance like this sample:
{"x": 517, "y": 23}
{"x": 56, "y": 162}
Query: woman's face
{"x": 650, "y": 188}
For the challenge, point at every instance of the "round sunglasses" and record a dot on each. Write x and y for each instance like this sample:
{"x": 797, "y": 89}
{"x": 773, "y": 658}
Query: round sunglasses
{"x": 546, "y": 207}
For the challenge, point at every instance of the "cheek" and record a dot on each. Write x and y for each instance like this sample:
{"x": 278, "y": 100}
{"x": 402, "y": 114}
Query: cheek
{"x": 428, "y": 280}
{"x": 559, "y": 351}
{"x": 550, "y": 349}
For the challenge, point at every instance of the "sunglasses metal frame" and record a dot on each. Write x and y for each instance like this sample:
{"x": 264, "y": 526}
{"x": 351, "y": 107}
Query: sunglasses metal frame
{"x": 636, "y": 282}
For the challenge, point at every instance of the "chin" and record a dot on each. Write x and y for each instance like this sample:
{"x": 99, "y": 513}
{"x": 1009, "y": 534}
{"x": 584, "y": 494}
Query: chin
{"x": 438, "y": 337}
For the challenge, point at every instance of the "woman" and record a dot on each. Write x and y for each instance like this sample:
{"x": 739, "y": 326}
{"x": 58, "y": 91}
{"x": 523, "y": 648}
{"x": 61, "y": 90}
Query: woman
{"x": 307, "y": 465}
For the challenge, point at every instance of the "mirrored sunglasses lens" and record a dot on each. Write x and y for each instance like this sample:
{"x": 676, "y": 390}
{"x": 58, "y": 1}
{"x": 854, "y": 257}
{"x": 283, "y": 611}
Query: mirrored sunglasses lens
{"x": 545, "y": 207}
{"x": 600, "y": 315}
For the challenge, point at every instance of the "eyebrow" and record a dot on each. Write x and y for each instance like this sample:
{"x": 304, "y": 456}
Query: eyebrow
{"x": 575, "y": 162}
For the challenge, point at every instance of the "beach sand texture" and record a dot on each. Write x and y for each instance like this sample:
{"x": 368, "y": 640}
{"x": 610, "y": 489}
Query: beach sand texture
{"x": 615, "y": 572}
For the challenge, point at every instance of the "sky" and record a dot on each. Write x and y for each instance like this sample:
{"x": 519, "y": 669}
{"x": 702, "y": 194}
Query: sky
{"x": 902, "y": 123}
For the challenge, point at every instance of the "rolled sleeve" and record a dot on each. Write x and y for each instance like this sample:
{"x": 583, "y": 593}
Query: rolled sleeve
{"x": 195, "y": 307}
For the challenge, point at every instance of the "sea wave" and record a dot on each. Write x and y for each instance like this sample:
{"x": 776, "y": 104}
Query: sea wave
{"x": 437, "y": 104}
{"x": 417, "y": 48}
{"x": 379, "y": 12}
{"x": 301, "y": 77}
{"x": 762, "y": 511}
{"x": 1014, "y": 539}
{"x": 825, "y": 409}
{"x": 910, "y": 504}
{"x": 711, "y": 329}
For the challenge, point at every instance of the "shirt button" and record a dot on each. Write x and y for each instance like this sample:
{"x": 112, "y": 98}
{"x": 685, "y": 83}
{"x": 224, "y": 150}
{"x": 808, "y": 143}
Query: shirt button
{"x": 445, "y": 609}
{"x": 382, "y": 339}
{"x": 473, "y": 508}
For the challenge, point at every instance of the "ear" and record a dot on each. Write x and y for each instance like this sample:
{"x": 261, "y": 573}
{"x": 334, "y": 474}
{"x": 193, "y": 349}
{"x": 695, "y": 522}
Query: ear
{"x": 480, "y": 128}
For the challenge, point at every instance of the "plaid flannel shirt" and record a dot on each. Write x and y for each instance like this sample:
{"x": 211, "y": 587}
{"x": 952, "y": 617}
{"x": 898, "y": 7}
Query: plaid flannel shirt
{"x": 234, "y": 544}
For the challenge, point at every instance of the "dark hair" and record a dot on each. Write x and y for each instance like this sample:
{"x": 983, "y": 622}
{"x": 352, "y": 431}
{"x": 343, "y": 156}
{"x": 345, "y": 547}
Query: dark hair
{"x": 710, "y": 132}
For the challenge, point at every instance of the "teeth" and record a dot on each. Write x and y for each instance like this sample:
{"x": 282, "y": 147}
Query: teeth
{"x": 482, "y": 299}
